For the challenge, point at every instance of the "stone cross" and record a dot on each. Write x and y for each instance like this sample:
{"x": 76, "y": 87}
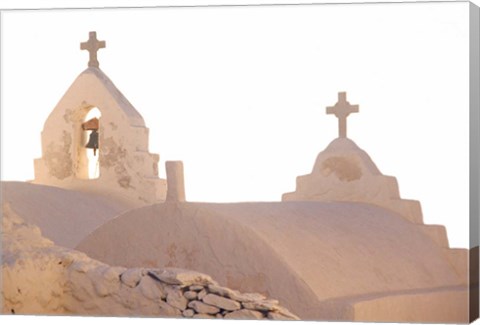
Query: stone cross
{"x": 92, "y": 46}
{"x": 341, "y": 110}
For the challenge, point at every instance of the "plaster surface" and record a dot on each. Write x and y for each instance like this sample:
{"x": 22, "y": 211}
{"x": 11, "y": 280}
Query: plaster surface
{"x": 175, "y": 181}
{"x": 312, "y": 256}
{"x": 66, "y": 217}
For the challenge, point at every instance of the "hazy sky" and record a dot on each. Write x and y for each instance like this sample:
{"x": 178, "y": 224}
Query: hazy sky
{"x": 239, "y": 93}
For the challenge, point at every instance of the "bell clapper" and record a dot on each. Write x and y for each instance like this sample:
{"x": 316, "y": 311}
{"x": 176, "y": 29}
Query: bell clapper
{"x": 91, "y": 128}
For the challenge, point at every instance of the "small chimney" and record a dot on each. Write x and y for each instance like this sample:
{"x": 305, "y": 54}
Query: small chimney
{"x": 175, "y": 181}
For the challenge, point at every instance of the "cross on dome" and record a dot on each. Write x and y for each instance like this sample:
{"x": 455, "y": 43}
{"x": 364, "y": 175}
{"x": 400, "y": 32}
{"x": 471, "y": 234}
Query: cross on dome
{"x": 92, "y": 46}
{"x": 341, "y": 110}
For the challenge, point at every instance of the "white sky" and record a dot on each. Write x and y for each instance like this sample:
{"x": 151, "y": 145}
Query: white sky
{"x": 239, "y": 93}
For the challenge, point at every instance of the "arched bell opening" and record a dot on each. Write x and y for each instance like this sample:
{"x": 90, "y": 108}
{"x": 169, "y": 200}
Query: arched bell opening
{"x": 89, "y": 164}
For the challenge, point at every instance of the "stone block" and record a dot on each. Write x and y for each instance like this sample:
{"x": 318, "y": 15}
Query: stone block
{"x": 196, "y": 287}
{"x": 167, "y": 310}
{"x": 132, "y": 277}
{"x": 176, "y": 299}
{"x": 244, "y": 314}
{"x": 190, "y": 295}
{"x": 276, "y": 316}
{"x": 181, "y": 277}
{"x": 188, "y": 313}
{"x": 151, "y": 289}
{"x": 263, "y": 305}
{"x": 203, "y": 316}
{"x": 221, "y": 302}
{"x": 234, "y": 294}
{"x": 202, "y": 308}
{"x": 202, "y": 294}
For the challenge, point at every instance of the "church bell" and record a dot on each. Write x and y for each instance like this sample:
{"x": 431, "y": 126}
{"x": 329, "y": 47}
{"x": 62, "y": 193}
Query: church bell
{"x": 93, "y": 142}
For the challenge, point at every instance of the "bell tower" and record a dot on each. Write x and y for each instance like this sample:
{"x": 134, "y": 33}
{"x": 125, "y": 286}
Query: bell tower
{"x": 95, "y": 141}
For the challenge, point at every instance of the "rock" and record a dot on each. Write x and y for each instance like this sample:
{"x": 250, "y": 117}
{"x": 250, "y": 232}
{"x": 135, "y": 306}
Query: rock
{"x": 221, "y": 302}
{"x": 244, "y": 314}
{"x": 81, "y": 266}
{"x": 201, "y": 294}
{"x": 196, "y": 288}
{"x": 190, "y": 295}
{"x": 203, "y": 316}
{"x": 181, "y": 277}
{"x": 221, "y": 291}
{"x": 234, "y": 294}
{"x": 273, "y": 315}
{"x": 249, "y": 297}
{"x": 112, "y": 274}
{"x": 151, "y": 288}
{"x": 167, "y": 310}
{"x": 132, "y": 277}
{"x": 202, "y": 308}
{"x": 67, "y": 259}
{"x": 176, "y": 299}
{"x": 263, "y": 305}
{"x": 106, "y": 280}
{"x": 285, "y": 312}
{"x": 103, "y": 289}
{"x": 188, "y": 313}
{"x": 219, "y": 315}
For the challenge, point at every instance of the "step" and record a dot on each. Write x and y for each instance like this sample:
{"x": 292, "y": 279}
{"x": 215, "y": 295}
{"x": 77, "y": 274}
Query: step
{"x": 437, "y": 233}
{"x": 409, "y": 209}
{"x": 458, "y": 258}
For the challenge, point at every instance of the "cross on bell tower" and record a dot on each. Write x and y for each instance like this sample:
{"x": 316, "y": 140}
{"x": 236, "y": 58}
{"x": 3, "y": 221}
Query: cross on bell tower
{"x": 92, "y": 46}
{"x": 341, "y": 110}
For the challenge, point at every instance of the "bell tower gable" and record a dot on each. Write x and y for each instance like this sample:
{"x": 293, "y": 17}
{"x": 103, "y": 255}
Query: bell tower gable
{"x": 109, "y": 158}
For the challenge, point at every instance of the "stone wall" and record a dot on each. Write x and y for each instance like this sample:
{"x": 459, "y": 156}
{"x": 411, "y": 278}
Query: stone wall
{"x": 41, "y": 278}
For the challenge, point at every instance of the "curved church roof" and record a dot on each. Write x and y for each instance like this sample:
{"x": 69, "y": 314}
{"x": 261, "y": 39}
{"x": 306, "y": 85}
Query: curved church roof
{"x": 64, "y": 216}
{"x": 307, "y": 254}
